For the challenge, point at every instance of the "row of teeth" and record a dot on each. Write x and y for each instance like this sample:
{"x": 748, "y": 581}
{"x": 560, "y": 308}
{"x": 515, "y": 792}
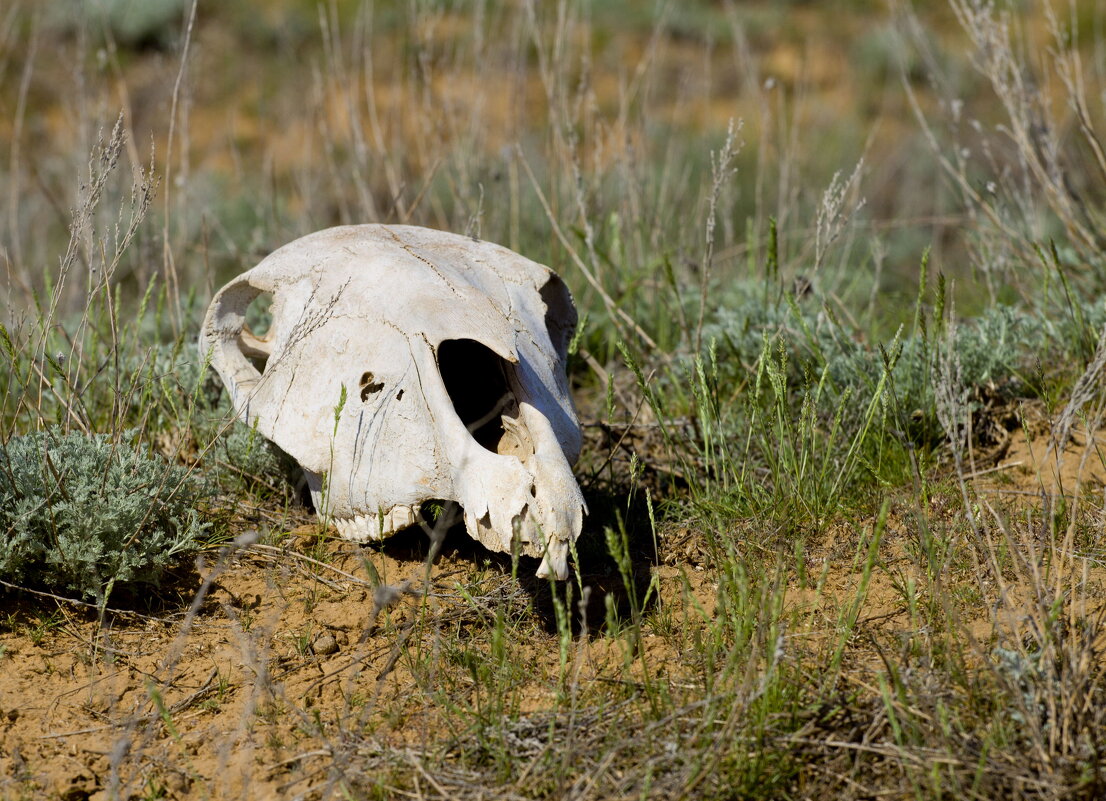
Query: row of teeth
{"x": 363, "y": 528}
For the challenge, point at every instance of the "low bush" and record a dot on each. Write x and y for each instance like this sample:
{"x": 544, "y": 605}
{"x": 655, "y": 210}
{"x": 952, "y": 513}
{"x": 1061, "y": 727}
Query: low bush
{"x": 86, "y": 514}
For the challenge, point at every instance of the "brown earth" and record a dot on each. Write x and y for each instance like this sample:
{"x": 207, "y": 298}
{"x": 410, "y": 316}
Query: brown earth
{"x": 232, "y": 691}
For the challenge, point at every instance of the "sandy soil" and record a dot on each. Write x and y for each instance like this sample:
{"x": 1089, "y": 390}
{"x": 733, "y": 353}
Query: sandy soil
{"x": 235, "y": 688}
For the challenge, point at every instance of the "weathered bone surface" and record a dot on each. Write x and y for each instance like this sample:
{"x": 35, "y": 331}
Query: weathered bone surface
{"x": 450, "y": 356}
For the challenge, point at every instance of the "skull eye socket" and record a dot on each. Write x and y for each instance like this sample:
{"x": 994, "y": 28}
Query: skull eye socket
{"x": 255, "y": 340}
{"x": 259, "y": 314}
{"x": 476, "y": 379}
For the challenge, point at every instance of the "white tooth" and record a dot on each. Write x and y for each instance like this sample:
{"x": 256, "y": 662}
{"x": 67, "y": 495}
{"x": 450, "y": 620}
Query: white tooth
{"x": 374, "y": 529}
{"x": 401, "y": 517}
{"x": 555, "y": 561}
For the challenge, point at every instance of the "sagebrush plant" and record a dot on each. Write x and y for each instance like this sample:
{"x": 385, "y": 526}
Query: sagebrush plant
{"x": 86, "y": 514}
{"x": 790, "y": 403}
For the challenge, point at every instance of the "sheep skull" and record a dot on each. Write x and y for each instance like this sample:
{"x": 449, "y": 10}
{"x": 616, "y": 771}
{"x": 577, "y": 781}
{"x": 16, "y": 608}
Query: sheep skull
{"x": 404, "y": 365}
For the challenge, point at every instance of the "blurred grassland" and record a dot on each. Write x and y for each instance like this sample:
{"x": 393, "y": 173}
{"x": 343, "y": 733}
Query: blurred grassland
{"x": 292, "y": 116}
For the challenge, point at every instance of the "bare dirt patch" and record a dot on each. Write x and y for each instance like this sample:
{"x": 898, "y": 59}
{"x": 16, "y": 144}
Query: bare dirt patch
{"x": 222, "y": 694}
{"x": 271, "y": 656}
{"x": 1038, "y": 464}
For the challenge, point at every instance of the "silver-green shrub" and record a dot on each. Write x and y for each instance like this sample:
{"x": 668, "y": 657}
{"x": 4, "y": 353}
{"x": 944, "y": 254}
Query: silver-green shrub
{"x": 998, "y": 347}
{"x": 84, "y": 514}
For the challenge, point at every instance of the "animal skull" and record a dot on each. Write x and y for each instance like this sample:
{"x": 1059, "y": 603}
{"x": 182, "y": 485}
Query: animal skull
{"x": 403, "y": 365}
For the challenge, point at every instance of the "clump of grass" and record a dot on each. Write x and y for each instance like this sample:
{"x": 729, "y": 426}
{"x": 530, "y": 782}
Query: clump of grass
{"x": 182, "y": 395}
{"x": 85, "y": 514}
{"x": 793, "y": 411}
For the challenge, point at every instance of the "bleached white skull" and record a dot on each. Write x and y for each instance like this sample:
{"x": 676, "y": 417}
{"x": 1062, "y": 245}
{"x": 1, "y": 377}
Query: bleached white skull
{"x": 404, "y": 365}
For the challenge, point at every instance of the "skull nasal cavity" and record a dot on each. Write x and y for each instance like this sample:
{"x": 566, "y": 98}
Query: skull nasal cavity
{"x": 476, "y": 379}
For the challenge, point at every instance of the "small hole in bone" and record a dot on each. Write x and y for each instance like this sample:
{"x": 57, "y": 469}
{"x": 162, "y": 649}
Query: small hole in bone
{"x": 399, "y": 395}
{"x": 369, "y": 387}
{"x": 476, "y": 380}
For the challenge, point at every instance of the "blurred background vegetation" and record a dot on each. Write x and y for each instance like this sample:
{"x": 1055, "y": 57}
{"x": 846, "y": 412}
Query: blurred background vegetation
{"x": 256, "y": 122}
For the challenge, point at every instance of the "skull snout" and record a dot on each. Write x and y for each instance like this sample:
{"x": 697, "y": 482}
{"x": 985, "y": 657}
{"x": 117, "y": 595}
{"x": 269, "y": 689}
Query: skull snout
{"x": 489, "y": 396}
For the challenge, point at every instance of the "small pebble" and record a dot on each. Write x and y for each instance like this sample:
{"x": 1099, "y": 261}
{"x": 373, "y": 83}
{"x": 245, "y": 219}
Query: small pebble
{"x": 326, "y": 645}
